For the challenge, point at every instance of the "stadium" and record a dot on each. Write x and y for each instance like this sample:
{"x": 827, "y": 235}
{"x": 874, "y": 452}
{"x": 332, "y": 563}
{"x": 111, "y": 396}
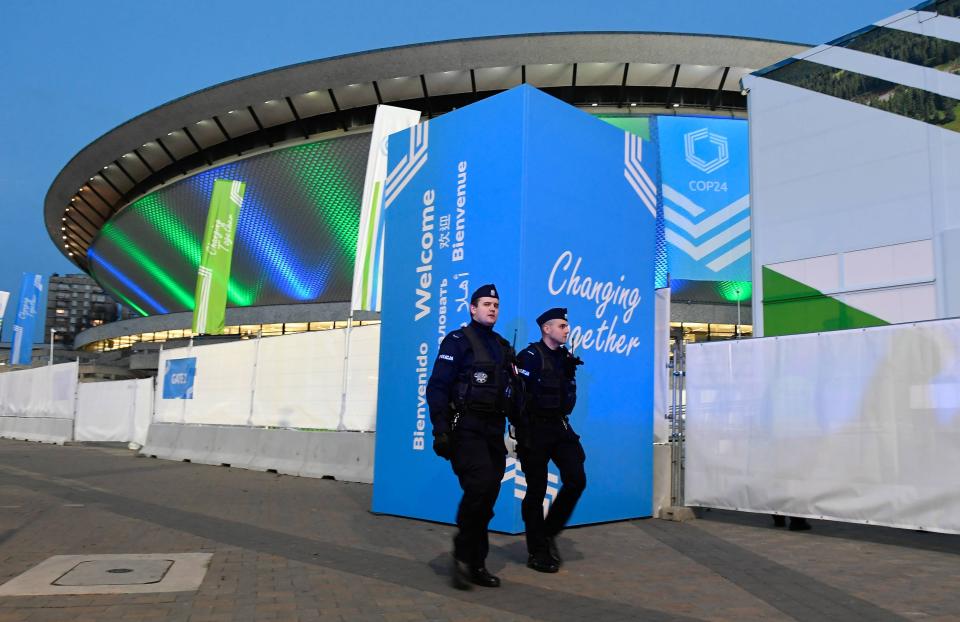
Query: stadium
{"x": 840, "y": 228}
{"x": 129, "y": 209}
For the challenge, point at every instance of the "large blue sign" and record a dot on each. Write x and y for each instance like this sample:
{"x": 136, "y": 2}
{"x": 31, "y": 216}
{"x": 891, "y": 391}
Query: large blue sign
{"x": 25, "y": 324}
{"x": 178, "y": 378}
{"x": 557, "y": 209}
{"x": 706, "y": 197}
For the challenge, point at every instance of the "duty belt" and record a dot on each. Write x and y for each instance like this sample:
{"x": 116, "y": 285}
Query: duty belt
{"x": 545, "y": 418}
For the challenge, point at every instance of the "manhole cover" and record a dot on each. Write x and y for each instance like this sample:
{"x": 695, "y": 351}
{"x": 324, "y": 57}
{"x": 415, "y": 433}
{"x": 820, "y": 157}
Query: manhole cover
{"x": 139, "y": 573}
{"x": 109, "y": 572}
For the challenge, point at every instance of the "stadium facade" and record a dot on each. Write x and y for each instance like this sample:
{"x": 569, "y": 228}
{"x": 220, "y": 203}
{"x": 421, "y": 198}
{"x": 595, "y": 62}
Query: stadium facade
{"x": 130, "y": 208}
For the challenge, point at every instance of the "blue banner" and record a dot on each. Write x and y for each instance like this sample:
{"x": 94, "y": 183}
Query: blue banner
{"x": 706, "y": 197}
{"x": 557, "y": 209}
{"x": 25, "y": 323}
{"x": 178, "y": 377}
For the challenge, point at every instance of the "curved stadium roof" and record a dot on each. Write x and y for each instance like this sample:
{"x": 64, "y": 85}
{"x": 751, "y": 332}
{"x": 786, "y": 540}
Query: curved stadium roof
{"x": 336, "y": 96}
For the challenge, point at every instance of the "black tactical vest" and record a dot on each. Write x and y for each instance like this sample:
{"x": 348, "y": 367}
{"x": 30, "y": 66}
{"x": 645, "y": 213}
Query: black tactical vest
{"x": 485, "y": 387}
{"x": 555, "y": 392}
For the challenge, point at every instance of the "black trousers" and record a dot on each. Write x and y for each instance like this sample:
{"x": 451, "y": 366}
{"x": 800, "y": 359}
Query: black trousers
{"x": 479, "y": 460}
{"x": 546, "y": 440}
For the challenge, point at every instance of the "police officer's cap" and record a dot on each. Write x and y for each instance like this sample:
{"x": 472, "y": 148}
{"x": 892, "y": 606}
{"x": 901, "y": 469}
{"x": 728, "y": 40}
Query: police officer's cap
{"x": 556, "y": 313}
{"x": 484, "y": 291}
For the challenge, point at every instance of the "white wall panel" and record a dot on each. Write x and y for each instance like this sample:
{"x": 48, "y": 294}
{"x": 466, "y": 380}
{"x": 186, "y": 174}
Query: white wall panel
{"x": 912, "y": 303}
{"x": 911, "y": 262}
{"x": 828, "y": 175}
{"x": 950, "y": 265}
{"x": 820, "y": 273}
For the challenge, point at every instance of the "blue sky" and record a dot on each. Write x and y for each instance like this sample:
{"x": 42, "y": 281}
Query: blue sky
{"x": 74, "y": 70}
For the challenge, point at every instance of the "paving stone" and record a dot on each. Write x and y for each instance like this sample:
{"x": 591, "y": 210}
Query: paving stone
{"x": 287, "y": 548}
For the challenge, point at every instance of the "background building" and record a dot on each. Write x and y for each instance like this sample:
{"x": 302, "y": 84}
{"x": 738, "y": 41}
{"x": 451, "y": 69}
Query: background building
{"x": 130, "y": 208}
{"x": 855, "y": 151}
{"x": 75, "y": 302}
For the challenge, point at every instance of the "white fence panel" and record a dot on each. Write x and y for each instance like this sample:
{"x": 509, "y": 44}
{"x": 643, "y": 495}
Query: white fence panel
{"x": 143, "y": 414}
{"x": 860, "y": 425}
{"x": 48, "y": 391}
{"x": 221, "y": 388}
{"x": 300, "y": 381}
{"x": 294, "y": 381}
{"x": 114, "y": 411}
{"x": 364, "y": 374}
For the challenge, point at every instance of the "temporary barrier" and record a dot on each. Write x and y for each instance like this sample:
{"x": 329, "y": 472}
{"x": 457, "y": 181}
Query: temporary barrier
{"x": 291, "y": 382}
{"x": 114, "y": 411}
{"x": 38, "y": 404}
{"x": 47, "y": 391}
{"x": 342, "y": 455}
{"x": 859, "y": 425}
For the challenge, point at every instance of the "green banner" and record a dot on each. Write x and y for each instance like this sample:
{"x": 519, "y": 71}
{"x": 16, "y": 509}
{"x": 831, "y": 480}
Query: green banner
{"x": 214, "y": 271}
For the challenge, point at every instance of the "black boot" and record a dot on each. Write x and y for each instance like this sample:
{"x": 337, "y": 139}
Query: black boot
{"x": 460, "y": 575}
{"x": 542, "y": 562}
{"x": 481, "y": 576}
{"x": 798, "y": 524}
{"x": 554, "y": 551}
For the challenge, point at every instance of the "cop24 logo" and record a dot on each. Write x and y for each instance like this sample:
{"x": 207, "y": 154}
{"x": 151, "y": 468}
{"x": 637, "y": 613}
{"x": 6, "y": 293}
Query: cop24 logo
{"x": 705, "y": 150}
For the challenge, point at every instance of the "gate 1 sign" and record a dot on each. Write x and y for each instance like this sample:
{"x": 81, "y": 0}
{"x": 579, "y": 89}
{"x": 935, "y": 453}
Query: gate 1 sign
{"x": 557, "y": 209}
{"x": 178, "y": 378}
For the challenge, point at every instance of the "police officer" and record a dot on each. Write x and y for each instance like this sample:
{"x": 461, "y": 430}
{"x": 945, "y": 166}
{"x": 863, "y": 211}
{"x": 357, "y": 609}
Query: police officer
{"x": 472, "y": 389}
{"x": 548, "y": 372}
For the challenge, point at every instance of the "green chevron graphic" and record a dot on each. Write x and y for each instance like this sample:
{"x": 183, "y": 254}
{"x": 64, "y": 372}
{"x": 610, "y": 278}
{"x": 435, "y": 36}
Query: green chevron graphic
{"x": 791, "y": 307}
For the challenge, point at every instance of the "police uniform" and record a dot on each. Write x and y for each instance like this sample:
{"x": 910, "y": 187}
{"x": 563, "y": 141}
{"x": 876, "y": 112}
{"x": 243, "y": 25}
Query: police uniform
{"x": 470, "y": 393}
{"x": 546, "y": 434}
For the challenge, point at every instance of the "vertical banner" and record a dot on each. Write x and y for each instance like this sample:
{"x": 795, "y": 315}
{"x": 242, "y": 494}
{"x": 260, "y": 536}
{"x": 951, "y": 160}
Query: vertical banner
{"x": 557, "y": 209}
{"x": 368, "y": 266}
{"x": 4, "y": 297}
{"x": 706, "y": 197}
{"x": 24, "y": 326}
{"x": 214, "y": 271}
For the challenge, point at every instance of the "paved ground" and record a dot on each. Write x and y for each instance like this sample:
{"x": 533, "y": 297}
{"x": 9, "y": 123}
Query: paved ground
{"x": 287, "y": 548}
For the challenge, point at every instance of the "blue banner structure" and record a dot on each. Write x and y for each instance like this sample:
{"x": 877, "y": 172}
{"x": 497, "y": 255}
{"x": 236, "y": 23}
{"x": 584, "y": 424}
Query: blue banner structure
{"x": 557, "y": 209}
{"x": 178, "y": 377}
{"x": 706, "y": 197}
{"x": 25, "y": 324}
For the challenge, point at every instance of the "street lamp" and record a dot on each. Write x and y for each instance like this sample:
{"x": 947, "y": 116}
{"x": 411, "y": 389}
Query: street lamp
{"x": 52, "y": 331}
